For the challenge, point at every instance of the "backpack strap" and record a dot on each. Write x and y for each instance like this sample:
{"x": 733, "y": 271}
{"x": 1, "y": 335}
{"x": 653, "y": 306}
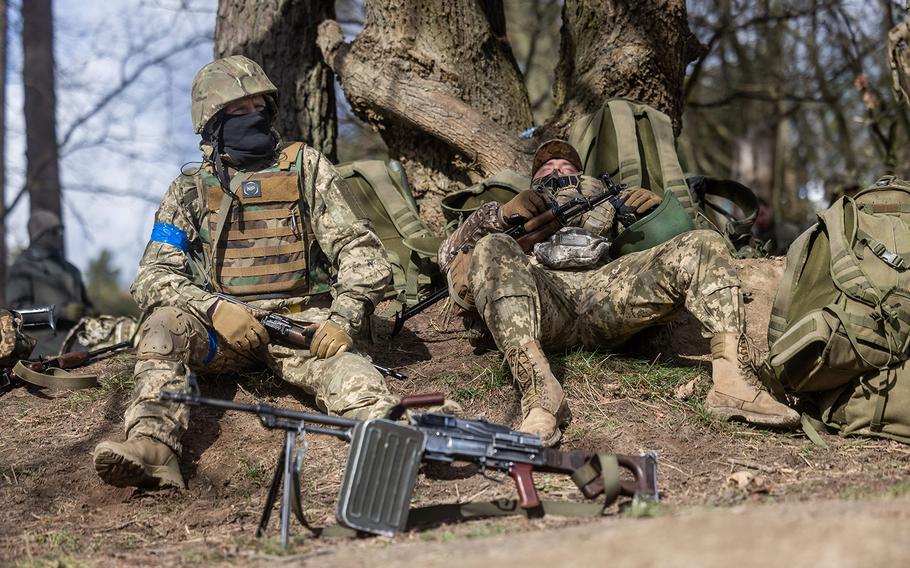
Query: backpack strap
{"x": 673, "y": 177}
{"x": 399, "y": 209}
{"x": 846, "y": 269}
{"x": 289, "y": 156}
{"x": 583, "y": 137}
{"x": 796, "y": 260}
{"x": 626, "y": 142}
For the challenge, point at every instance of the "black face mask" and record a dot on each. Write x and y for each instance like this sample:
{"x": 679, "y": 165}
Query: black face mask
{"x": 247, "y": 138}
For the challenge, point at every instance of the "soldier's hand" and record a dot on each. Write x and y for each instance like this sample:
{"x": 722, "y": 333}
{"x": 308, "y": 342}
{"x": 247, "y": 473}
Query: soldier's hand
{"x": 329, "y": 339}
{"x": 527, "y": 205}
{"x": 237, "y": 326}
{"x": 643, "y": 200}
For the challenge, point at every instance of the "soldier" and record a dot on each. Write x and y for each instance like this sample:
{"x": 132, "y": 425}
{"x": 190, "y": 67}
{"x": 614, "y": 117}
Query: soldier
{"x": 265, "y": 221}
{"x": 41, "y": 275}
{"x": 583, "y": 299}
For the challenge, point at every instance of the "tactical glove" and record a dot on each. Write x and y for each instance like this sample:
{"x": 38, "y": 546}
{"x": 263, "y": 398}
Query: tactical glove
{"x": 329, "y": 339}
{"x": 643, "y": 200}
{"x": 237, "y": 326}
{"x": 527, "y": 205}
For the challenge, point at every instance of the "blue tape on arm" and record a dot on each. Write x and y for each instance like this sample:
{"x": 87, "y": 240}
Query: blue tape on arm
{"x": 213, "y": 347}
{"x": 169, "y": 235}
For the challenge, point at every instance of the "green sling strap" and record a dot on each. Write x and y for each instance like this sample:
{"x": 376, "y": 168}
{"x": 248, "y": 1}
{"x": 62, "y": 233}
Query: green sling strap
{"x": 55, "y": 378}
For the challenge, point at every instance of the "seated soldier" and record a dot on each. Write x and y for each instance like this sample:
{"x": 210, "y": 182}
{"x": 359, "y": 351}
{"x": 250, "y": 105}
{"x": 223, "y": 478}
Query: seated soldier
{"x": 528, "y": 307}
{"x": 265, "y": 221}
{"x": 41, "y": 275}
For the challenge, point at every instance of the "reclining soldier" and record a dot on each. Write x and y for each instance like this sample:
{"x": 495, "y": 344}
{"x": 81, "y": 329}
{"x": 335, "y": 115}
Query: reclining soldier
{"x": 532, "y": 303}
{"x": 264, "y": 221}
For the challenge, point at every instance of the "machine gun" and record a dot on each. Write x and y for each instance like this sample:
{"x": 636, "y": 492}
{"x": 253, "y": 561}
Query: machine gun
{"x": 289, "y": 333}
{"x": 563, "y": 214}
{"x": 385, "y": 455}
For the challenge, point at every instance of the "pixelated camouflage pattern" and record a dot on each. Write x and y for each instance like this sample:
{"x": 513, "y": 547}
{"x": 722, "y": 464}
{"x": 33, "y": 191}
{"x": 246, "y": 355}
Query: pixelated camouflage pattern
{"x": 14, "y": 344}
{"x": 520, "y": 300}
{"x": 173, "y": 340}
{"x": 223, "y": 81}
{"x": 168, "y": 276}
{"x": 487, "y": 220}
{"x": 101, "y": 331}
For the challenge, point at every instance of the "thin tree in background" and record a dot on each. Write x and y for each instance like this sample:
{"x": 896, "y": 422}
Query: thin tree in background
{"x": 3, "y": 25}
{"x": 42, "y": 175}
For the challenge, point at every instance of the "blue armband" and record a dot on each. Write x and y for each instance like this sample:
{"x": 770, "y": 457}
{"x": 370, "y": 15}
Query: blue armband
{"x": 169, "y": 235}
{"x": 213, "y": 347}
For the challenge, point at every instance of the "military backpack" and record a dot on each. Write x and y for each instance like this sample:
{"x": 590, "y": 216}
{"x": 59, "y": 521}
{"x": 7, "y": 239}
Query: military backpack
{"x": 382, "y": 195}
{"x": 840, "y": 326}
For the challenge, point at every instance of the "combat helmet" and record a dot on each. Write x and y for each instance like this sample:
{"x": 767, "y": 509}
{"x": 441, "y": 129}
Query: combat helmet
{"x": 225, "y": 80}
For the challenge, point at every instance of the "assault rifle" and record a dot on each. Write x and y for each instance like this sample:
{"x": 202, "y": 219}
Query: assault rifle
{"x": 289, "y": 333}
{"x": 563, "y": 214}
{"x": 46, "y": 372}
{"x": 385, "y": 455}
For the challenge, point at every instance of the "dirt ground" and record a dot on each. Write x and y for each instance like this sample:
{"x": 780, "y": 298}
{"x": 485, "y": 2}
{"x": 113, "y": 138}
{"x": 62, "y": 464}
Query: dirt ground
{"x": 731, "y": 493}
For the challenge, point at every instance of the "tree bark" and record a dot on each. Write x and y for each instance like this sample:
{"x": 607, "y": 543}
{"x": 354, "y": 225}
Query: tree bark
{"x": 615, "y": 48}
{"x": 42, "y": 176}
{"x": 441, "y": 85}
{"x": 280, "y": 35}
{"x": 3, "y": 252}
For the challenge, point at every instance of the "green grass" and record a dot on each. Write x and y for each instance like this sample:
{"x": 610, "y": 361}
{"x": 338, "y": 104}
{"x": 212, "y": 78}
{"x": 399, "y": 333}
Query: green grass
{"x": 119, "y": 381}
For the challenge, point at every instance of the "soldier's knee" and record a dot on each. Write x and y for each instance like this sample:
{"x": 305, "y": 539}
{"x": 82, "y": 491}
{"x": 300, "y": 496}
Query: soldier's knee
{"x": 165, "y": 335}
{"x": 495, "y": 247}
{"x": 705, "y": 240}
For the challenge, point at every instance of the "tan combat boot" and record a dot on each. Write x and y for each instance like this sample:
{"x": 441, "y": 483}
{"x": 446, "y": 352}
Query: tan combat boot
{"x": 141, "y": 462}
{"x": 543, "y": 404}
{"x": 732, "y": 397}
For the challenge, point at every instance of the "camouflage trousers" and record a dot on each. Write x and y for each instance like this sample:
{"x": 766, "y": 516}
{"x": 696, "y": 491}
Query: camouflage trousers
{"x": 172, "y": 340}
{"x": 520, "y": 300}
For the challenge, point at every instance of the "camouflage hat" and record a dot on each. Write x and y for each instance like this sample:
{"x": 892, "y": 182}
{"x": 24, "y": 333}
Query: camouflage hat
{"x": 555, "y": 149}
{"x": 223, "y": 81}
{"x": 42, "y": 221}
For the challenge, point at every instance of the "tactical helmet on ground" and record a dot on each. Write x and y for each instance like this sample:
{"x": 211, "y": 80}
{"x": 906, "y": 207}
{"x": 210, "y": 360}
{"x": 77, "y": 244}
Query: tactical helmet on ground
{"x": 223, "y": 81}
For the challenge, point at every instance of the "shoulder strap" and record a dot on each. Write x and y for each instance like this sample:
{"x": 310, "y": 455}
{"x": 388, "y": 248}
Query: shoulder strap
{"x": 673, "y": 177}
{"x": 290, "y": 156}
{"x": 626, "y": 142}
{"x": 55, "y": 378}
{"x": 583, "y": 136}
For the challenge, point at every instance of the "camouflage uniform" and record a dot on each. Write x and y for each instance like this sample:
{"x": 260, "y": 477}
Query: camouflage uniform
{"x": 521, "y": 300}
{"x": 178, "y": 333}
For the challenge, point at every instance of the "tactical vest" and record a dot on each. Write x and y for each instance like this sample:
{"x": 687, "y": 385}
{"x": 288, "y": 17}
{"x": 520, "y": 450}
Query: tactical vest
{"x": 261, "y": 240}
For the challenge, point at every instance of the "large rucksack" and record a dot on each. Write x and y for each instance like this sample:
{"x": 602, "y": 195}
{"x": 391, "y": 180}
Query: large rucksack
{"x": 635, "y": 143}
{"x": 382, "y": 195}
{"x": 840, "y": 325}
{"x": 458, "y": 205}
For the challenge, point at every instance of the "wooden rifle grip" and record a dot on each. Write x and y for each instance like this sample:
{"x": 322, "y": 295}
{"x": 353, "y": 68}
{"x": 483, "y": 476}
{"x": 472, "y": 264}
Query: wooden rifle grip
{"x": 524, "y": 484}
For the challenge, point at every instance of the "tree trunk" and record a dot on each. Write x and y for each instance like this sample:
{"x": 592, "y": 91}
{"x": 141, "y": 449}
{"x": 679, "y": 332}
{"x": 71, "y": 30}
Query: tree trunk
{"x": 615, "y": 48}
{"x": 280, "y": 35}
{"x": 439, "y": 82}
{"x": 42, "y": 177}
{"x": 3, "y": 252}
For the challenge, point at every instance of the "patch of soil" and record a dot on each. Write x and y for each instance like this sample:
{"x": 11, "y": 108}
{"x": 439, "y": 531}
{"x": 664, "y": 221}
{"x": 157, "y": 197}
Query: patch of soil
{"x": 54, "y": 509}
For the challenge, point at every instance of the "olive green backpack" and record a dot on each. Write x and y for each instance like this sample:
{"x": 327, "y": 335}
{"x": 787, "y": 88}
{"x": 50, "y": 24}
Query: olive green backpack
{"x": 840, "y": 326}
{"x": 381, "y": 194}
{"x": 458, "y": 205}
{"x": 635, "y": 144}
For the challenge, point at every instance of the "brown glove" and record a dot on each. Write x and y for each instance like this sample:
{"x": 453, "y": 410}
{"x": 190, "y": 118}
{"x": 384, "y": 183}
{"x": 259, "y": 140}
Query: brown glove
{"x": 538, "y": 230}
{"x": 643, "y": 200}
{"x": 329, "y": 339}
{"x": 527, "y": 204}
{"x": 237, "y": 326}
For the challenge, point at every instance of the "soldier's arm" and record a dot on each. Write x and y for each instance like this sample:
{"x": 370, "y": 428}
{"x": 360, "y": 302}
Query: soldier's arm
{"x": 19, "y": 290}
{"x": 356, "y": 253}
{"x": 165, "y": 276}
{"x": 485, "y": 220}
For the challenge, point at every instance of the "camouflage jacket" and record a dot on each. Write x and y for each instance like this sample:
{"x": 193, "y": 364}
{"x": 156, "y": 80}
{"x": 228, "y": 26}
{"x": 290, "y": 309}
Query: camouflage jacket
{"x": 486, "y": 220}
{"x": 358, "y": 261}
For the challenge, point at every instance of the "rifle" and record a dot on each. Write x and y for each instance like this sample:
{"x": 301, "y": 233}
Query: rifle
{"x": 385, "y": 455}
{"x": 36, "y": 372}
{"x": 563, "y": 214}
{"x": 289, "y": 333}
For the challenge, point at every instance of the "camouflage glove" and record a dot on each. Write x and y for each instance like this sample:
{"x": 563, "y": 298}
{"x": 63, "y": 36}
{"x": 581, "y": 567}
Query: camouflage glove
{"x": 643, "y": 200}
{"x": 237, "y": 326}
{"x": 329, "y": 339}
{"x": 527, "y": 205}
